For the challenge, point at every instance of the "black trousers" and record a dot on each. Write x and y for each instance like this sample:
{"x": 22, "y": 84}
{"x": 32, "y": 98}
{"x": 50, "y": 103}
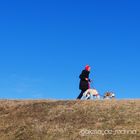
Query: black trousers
{"x": 81, "y": 94}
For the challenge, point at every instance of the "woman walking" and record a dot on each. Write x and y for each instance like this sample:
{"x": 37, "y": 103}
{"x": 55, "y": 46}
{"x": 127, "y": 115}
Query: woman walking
{"x": 84, "y": 81}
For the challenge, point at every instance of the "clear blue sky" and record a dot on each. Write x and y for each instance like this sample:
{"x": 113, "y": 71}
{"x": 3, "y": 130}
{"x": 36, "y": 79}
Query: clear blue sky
{"x": 45, "y": 44}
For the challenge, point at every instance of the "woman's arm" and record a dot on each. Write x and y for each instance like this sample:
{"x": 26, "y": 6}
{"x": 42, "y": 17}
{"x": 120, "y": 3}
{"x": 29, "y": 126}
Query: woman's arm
{"x": 83, "y": 76}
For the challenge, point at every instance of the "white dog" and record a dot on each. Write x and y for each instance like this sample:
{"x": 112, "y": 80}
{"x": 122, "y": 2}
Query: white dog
{"x": 91, "y": 93}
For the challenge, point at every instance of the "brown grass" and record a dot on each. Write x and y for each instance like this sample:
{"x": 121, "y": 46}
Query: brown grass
{"x": 63, "y": 120}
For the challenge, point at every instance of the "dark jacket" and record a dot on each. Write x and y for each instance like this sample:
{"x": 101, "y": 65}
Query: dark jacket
{"x": 84, "y": 84}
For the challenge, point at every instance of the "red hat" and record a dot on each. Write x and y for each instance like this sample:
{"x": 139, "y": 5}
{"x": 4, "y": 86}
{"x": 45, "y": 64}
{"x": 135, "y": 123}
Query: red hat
{"x": 87, "y": 67}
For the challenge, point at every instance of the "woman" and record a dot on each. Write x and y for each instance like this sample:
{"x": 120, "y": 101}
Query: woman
{"x": 84, "y": 81}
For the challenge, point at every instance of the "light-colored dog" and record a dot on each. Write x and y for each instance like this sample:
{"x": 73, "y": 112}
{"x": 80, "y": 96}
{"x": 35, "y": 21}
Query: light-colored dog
{"x": 90, "y": 93}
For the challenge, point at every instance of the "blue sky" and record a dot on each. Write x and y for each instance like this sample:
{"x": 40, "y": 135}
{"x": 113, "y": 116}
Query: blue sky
{"x": 45, "y": 44}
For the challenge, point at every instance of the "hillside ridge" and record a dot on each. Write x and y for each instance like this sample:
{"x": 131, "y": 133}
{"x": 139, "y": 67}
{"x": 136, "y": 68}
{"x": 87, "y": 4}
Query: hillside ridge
{"x": 69, "y": 120}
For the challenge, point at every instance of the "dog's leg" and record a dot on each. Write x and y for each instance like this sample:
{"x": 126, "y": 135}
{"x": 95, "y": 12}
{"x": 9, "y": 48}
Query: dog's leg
{"x": 88, "y": 96}
{"x": 85, "y": 95}
{"x": 98, "y": 97}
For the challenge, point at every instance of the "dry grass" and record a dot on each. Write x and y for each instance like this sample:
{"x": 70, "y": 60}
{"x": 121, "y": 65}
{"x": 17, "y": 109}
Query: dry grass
{"x": 63, "y": 120}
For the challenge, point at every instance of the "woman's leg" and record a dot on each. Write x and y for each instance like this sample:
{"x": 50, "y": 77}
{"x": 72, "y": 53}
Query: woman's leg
{"x": 80, "y": 95}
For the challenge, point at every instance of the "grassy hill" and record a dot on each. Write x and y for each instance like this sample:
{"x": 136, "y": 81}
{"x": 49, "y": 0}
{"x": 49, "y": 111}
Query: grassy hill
{"x": 69, "y": 120}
